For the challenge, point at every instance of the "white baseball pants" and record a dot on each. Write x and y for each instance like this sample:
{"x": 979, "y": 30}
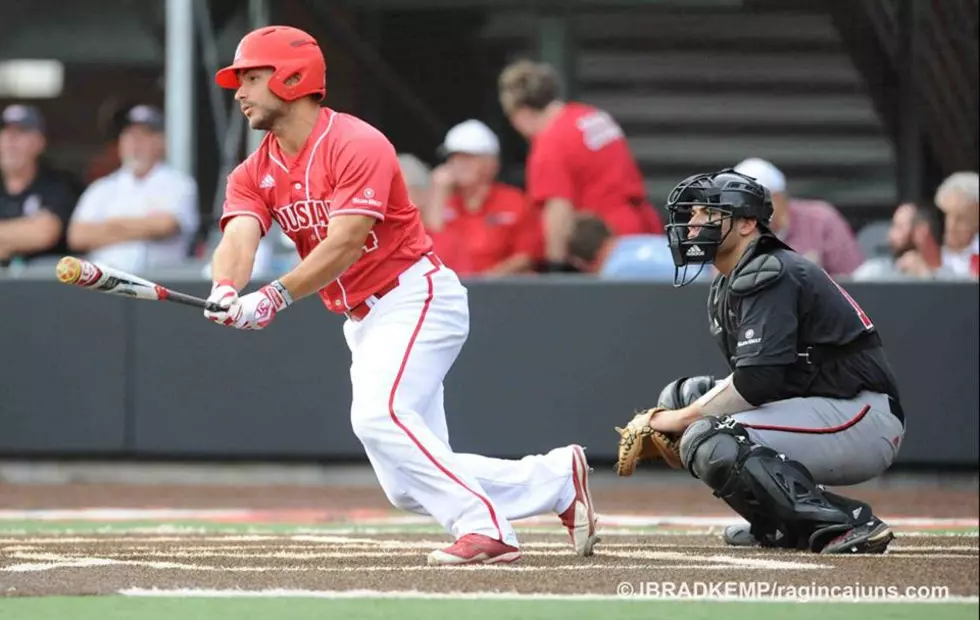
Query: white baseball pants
{"x": 401, "y": 353}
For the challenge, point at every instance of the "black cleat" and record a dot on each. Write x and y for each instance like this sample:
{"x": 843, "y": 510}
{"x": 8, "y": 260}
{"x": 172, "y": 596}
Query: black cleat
{"x": 871, "y": 537}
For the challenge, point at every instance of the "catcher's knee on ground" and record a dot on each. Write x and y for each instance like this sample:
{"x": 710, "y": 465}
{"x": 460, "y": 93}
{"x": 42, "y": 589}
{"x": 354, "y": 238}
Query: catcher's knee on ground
{"x": 776, "y": 495}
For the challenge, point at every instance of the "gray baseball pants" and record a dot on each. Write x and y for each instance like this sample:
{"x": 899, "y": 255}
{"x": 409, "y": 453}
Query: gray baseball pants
{"x": 841, "y": 442}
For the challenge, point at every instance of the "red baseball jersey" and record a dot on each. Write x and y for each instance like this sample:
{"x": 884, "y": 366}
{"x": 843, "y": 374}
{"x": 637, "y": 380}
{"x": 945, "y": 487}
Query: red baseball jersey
{"x": 504, "y": 226}
{"x": 345, "y": 167}
{"x": 583, "y": 157}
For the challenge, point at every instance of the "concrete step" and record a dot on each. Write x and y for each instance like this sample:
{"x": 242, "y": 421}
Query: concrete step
{"x": 742, "y": 108}
{"x": 701, "y": 69}
{"x": 670, "y": 27}
{"x": 699, "y": 151}
{"x": 715, "y": 25}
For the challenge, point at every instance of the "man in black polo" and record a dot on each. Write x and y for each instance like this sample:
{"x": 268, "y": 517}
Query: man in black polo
{"x": 35, "y": 203}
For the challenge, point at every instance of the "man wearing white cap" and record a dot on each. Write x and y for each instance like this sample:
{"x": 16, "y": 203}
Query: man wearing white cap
{"x": 144, "y": 215}
{"x": 813, "y": 228}
{"x": 479, "y": 225}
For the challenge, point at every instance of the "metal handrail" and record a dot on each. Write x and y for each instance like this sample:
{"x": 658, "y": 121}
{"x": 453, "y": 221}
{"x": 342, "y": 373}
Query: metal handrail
{"x": 941, "y": 68}
{"x": 387, "y": 77}
{"x": 946, "y": 68}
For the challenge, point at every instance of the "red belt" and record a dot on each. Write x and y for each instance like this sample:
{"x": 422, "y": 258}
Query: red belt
{"x": 361, "y": 310}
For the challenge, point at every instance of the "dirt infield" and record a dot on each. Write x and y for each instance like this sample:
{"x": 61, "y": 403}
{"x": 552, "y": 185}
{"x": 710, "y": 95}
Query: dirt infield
{"x": 642, "y": 496}
{"x": 43, "y": 561}
{"x": 103, "y": 564}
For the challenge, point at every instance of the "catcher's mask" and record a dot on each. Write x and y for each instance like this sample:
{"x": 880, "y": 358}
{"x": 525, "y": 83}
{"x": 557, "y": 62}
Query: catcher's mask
{"x": 727, "y": 195}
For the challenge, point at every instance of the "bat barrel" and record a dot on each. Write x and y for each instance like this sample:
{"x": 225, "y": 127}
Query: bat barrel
{"x": 112, "y": 281}
{"x": 69, "y": 270}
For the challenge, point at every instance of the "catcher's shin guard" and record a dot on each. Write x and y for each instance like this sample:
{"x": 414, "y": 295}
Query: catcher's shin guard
{"x": 777, "y": 496}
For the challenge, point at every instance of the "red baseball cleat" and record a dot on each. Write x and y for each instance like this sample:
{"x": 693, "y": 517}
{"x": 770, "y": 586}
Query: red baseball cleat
{"x": 579, "y": 518}
{"x": 475, "y": 549}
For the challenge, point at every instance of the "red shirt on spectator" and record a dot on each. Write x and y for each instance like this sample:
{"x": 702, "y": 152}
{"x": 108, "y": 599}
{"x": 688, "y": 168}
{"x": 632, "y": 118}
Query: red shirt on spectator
{"x": 504, "y": 226}
{"x": 818, "y": 231}
{"x": 583, "y": 157}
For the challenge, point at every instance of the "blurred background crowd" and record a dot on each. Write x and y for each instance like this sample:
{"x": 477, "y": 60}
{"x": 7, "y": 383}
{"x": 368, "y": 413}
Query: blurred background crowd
{"x": 534, "y": 139}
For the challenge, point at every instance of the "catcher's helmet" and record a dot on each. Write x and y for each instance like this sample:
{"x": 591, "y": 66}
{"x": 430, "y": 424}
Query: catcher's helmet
{"x": 725, "y": 192}
{"x": 289, "y": 52}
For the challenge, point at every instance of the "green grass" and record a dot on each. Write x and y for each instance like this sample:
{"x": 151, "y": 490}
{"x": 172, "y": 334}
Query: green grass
{"x": 168, "y": 608}
{"x": 121, "y": 608}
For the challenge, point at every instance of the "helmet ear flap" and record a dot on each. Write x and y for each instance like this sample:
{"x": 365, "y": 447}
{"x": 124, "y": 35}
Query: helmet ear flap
{"x": 298, "y": 78}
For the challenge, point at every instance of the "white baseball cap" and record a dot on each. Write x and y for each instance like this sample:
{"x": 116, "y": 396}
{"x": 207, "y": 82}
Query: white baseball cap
{"x": 471, "y": 137}
{"x": 765, "y": 173}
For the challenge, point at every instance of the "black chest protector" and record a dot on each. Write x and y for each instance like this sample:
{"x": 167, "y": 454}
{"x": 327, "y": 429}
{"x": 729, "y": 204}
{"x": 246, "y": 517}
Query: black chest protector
{"x": 755, "y": 271}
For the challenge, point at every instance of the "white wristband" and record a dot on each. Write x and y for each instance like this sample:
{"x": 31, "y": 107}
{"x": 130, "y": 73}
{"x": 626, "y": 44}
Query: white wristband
{"x": 276, "y": 284}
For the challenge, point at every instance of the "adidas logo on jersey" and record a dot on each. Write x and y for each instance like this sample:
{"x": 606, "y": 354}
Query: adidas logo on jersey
{"x": 267, "y": 182}
{"x": 694, "y": 251}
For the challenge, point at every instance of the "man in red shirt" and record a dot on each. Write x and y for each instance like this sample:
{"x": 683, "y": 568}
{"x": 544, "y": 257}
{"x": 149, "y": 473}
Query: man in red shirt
{"x": 478, "y": 225}
{"x": 333, "y": 184}
{"x": 579, "y": 159}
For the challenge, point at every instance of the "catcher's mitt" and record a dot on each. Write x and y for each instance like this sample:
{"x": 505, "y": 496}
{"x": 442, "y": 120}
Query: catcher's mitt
{"x": 638, "y": 442}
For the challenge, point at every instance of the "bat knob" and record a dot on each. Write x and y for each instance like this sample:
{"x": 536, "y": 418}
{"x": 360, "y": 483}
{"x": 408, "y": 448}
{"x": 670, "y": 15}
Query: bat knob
{"x": 69, "y": 270}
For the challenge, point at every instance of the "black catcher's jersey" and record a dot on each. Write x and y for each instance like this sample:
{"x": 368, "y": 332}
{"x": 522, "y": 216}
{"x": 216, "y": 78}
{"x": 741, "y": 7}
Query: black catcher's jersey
{"x": 799, "y": 318}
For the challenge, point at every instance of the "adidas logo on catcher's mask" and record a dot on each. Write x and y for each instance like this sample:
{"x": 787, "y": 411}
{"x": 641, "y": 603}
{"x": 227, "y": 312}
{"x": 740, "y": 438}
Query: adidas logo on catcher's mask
{"x": 694, "y": 251}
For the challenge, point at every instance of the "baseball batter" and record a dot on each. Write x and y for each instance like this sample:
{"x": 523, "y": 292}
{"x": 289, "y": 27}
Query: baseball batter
{"x": 811, "y": 399}
{"x": 333, "y": 185}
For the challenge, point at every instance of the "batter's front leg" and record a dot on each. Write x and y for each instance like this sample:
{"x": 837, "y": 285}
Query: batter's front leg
{"x": 418, "y": 471}
{"x": 400, "y": 356}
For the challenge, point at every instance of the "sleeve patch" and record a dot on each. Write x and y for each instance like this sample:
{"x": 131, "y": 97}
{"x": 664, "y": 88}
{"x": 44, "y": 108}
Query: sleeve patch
{"x": 749, "y": 340}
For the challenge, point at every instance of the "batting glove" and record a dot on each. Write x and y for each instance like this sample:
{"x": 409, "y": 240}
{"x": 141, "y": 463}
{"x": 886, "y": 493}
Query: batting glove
{"x": 223, "y": 294}
{"x": 256, "y": 310}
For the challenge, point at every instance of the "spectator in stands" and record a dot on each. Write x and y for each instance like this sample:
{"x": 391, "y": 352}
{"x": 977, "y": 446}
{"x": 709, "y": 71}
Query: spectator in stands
{"x": 915, "y": 250}
{"x": 111, "y": 117}
{"x": 959, "y": 200}
{"x": 592, "y": 248}
{"x": 417, "y": 179}
{"x": 579, "y": 160}
{"x": 478, "y": 224}
{"x": 145, "y": 214}
{"x": 813, "y": 228}
{"x": 36, "y": 202}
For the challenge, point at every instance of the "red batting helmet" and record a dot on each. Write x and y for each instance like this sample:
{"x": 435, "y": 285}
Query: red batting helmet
{"x": 290, "y": 52}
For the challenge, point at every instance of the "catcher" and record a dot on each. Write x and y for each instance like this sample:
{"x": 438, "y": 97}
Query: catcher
{"x": 811, "y": 399}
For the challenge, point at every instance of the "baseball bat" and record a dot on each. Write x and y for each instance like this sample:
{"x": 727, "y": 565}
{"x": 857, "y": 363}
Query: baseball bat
{"x": 105, "y": 279}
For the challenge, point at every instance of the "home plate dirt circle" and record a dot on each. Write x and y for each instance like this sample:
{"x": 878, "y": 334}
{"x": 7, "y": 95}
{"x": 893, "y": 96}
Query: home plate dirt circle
{"x": 935, "y": 566}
